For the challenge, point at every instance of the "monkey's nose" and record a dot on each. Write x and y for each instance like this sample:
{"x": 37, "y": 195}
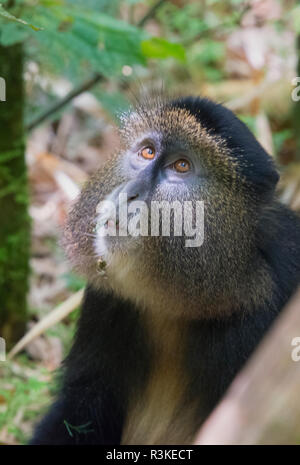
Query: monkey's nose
{"x": 133, "y": 197}
{"x": 136, "y": 188}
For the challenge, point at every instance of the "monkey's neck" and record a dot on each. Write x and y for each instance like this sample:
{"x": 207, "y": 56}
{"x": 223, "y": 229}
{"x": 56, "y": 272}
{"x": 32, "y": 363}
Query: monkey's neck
{"x": 160, "y": 413}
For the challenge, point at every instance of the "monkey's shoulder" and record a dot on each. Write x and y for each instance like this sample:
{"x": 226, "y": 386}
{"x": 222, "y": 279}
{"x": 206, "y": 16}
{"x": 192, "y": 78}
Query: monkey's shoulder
{"x": 278, "y": 240}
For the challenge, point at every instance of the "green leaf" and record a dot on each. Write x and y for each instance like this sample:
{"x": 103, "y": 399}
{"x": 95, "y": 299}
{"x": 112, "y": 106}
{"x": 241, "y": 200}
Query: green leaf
{"x": 88, "y": 39}
{"x": 9, "y": 17}
{"x": 161, "y": 48}
{"x": 12, "y": 33}
{"x": 102, "y": 21}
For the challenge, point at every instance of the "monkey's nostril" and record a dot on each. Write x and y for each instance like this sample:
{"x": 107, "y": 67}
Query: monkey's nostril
{"x": 133, "y": 197}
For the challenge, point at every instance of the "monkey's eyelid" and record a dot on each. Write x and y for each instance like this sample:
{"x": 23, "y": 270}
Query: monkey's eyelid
{"x": 145, "y": 142}
{"x": 171, "y": 166}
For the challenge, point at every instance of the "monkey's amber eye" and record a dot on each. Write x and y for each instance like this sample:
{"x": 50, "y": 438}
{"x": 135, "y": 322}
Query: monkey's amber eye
{"x": 148, "y": 153}
{"x": 182, "y": 166}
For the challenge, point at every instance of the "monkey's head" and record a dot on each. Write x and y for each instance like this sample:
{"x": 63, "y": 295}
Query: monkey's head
{"x": 173, "y": 215}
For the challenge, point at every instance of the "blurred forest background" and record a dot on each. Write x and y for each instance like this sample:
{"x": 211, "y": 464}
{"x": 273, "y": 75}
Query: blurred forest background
{"x": 70, "y": 68}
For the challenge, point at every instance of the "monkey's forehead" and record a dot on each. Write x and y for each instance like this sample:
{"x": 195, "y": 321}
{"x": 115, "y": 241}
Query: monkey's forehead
{"x": 168, "y": 122}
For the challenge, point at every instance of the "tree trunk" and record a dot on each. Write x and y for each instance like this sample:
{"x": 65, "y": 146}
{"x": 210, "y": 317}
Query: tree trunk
{"x": 14, "y": 219}
{"x": 262, "y": 404}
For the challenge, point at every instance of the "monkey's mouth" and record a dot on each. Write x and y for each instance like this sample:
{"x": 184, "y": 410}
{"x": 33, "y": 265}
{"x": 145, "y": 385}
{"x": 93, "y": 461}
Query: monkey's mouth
{"x": 112, "y": 236}
{"x": 110, "y": 223}
{"x": 113, "y": 227}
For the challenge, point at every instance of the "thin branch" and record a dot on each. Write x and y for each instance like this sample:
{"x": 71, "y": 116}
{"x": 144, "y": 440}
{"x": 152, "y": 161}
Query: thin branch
{"x": 56, "y": 315}
{"x": 97, "y": 77}
{"x": 87, "y": 85}
{"x": 150, "y": 13}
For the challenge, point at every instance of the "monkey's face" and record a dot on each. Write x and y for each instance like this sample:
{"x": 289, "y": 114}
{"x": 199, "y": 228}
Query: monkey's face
{"x": 170, "y": 221}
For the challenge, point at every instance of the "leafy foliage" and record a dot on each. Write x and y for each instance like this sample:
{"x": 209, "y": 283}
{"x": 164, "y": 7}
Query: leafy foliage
{"x": 71, "y": 36}
{"x": 22, "y": 395}
{"x": 72, "y": 42}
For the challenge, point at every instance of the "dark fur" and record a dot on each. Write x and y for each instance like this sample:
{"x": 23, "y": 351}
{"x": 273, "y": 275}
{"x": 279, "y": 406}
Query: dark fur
{"x": 112, "y": 354}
